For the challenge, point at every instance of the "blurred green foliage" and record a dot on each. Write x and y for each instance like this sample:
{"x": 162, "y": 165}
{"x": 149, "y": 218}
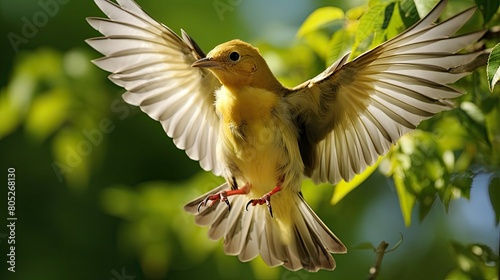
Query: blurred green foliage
{"x": 101, "y": 188}
{"x": 57, "y": 96}
{"x": 474, "y": 261}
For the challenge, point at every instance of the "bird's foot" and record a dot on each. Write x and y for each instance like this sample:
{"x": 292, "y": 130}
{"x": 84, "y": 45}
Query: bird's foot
{"x": 209, "y": 200}
{"x": 264, "y": 199}
{"x": 222, "y": 196}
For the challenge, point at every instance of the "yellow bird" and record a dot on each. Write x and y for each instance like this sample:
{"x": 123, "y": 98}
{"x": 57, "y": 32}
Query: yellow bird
{"x": 228, "y": 111}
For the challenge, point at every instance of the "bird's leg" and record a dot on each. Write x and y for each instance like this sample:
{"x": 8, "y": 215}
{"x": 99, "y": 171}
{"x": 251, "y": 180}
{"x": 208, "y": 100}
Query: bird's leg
{"x": 222, "y": 195}
{"x": 266, "y": 198}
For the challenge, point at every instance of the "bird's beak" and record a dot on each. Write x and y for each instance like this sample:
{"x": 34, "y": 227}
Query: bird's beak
{"x": 206, "y": 62}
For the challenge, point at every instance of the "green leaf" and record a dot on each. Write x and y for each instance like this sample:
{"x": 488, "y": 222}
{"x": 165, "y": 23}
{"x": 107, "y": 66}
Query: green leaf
{"x": 463, "y": 182}
{"x": 483, "y": 252}
{"x": 493, "y": 132}
{"x": 492, "y": 69}
{"x": 425, "y": 6}
{"x": 8, "y": 111}
{"x": 369, "y": 22}
{"x": 339, "y": 44}
{"x": 473, "y": 128}
{"x": 426, "y": 200}
{"x": 408, "y": 12}
{"x": 388, "y": 11}
{"x": 321, "y": 18}
{"x": 396, "y": 24}
{"x": 488, "y": 8}
{"x": 406, "y": 199}
{"x": 47, "y": 113}
{"x": 475, "y": 261}
{"x": 318, "y": 42}
{"x": 473, "y": 111}
{"x": 494, "y": 190}
{"x": 355, "y": 13}
{"x": 343, "y": 187}
{"x": 71, "y": 158}
{"x": 457, "y": 274}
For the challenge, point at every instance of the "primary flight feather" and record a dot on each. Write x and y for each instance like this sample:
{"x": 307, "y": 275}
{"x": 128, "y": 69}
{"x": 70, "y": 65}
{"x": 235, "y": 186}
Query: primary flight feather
{"x": 228, "y": 111}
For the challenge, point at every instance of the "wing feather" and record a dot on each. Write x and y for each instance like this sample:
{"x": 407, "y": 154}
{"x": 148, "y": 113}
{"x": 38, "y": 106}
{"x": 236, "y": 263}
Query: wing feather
{"x": 154, "y": 65}
{"x": 353, "y": 112}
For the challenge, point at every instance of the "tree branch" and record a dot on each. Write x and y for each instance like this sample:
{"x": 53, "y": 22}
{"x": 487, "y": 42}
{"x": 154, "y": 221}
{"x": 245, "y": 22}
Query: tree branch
{"x": 380, "y": 252}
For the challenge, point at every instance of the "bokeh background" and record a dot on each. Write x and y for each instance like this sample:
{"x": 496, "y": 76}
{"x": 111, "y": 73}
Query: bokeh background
{"x": 100, "y": 186}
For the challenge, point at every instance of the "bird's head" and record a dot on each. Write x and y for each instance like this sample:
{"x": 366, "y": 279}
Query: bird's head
{"x": 239, "y": 64}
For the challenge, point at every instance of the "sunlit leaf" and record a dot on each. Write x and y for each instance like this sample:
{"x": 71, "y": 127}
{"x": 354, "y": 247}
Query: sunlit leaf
{"x": 473, "y": 128}
{"x": 396, "y": 24}
{"x": 318, "y": 42}
{"x": 388, "y": 11}
{"x": 343, "y": 187}
{"x": 8, "y": 112}
{"x": 71, "y": 158}
{"x": 425, "y": 6}
{"x": 355, "y": 13}
{"x": 119, "y": 201}
{"x": 368, "y": 23}
{"x": 339, "y": 45}
{"x": 21, "y": 89}
{"x": 321, "y": 18}
{"x": 423, "y": 167}
{"x": 493, "y": 67}
{"x": 450, "y": 133}
{"x": 406, "y": 199}
{"x": 488, "y": 8}
{"x": 380, "y": 31}
{"x": 47, "y": 114}
{"x": 457, "y": 274}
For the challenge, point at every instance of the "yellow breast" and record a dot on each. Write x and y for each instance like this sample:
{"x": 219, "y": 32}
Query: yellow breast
{"x": 245, "y": 114}
{"x": 246, "y": 105}
{"x": 249, "y": 134}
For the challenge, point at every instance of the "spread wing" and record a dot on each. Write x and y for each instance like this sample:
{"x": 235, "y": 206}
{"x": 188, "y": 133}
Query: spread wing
{"x": 352, "y": 112}
{"x": 154, "y": 65}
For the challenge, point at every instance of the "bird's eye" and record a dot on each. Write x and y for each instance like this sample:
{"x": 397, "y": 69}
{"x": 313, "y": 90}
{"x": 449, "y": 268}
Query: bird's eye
{"x": 234, "y": 56}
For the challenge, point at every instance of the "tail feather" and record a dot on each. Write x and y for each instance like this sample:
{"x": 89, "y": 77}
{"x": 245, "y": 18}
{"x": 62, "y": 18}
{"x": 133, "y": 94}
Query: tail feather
{"x": 331, "y": 241}
{"x": 250, "y": 244}
{"x": 295, "y": 238}
{"x": 207, "y": 214}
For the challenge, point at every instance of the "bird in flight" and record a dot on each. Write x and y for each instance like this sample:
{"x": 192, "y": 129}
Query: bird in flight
{"x": 227, "y": 110}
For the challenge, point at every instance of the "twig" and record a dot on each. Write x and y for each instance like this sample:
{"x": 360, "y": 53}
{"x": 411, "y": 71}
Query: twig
{"x": 380, "y": 252}
{"x": 379, "y": 255}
